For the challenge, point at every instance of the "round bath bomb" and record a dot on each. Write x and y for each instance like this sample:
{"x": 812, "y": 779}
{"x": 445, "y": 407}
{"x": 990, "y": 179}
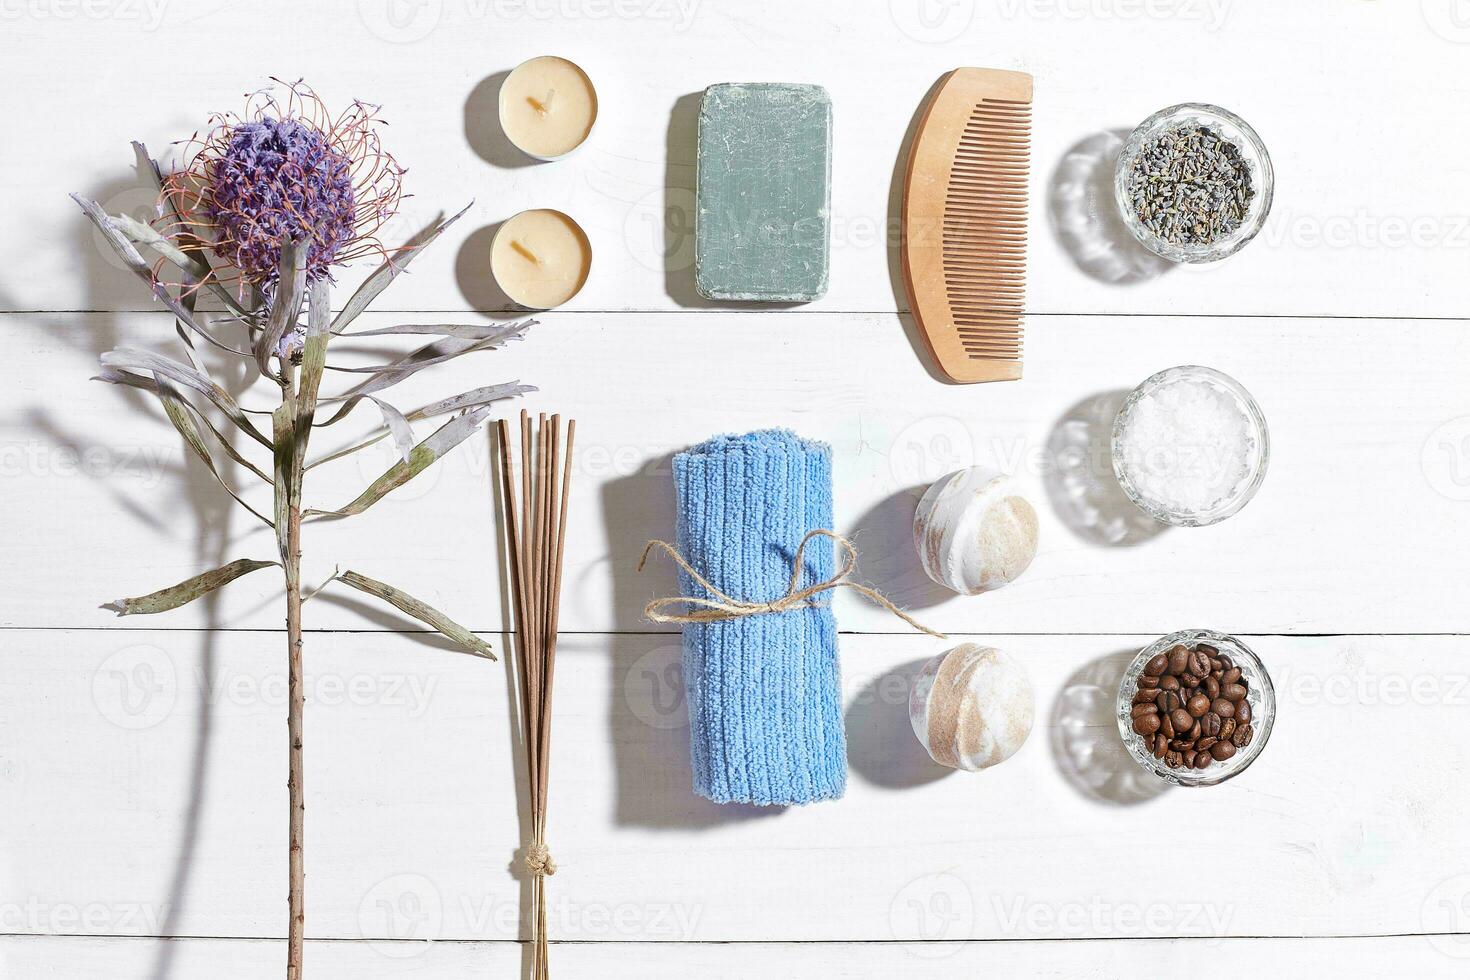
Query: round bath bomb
{"x": 972, "y": 707}
{"x": 974, "y": 531}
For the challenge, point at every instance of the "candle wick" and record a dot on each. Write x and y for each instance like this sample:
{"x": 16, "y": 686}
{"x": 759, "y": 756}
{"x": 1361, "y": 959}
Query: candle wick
{"x": 529, "y": 255}
{"x": 542, "y": 106}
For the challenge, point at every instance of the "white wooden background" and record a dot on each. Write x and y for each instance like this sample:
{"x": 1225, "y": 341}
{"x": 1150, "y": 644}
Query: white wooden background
{"x": 142, "y": 830}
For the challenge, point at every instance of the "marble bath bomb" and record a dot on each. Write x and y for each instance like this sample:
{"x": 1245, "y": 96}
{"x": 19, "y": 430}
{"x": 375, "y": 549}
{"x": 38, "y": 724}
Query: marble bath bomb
{"x": 974, "y": 531}
{"x": 972, "y": 707}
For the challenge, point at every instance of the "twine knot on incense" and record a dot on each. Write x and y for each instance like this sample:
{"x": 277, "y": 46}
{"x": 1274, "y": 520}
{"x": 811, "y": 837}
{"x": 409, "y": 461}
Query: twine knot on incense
{"x": 538, "y": 860}
{"x": 721, "y": 606}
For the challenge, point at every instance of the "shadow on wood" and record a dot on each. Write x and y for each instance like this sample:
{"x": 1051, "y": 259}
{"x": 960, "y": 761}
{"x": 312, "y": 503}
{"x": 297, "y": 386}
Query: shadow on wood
{"x": 1084, "y": 214}
{"x": 1080, "y": 482}
{"x": 1085, "y": 741}
{"x": 648, "y": 721}
{"x": 881, "y": 745}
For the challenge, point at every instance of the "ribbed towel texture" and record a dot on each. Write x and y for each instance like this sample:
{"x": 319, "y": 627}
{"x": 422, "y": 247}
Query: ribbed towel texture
{"x": 765, "y": 714}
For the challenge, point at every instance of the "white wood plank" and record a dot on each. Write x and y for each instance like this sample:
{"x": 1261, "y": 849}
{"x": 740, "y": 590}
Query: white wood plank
{"x": 1369, "y": 959}
{"x": 149, "y": 770}
{"x": 1372, "y": 213}
{"x": 1358, "y": 528}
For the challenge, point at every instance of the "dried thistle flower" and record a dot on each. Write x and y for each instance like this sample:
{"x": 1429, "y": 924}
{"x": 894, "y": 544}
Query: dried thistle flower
{"x": 271, "y": 202}
{"x": 285, "y": 169}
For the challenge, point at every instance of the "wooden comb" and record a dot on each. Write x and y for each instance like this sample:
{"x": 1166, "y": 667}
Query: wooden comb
{"x": 964, "y": 222}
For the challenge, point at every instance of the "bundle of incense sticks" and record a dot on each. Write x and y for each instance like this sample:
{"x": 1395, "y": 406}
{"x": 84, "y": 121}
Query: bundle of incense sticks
{"x": 536, "y": 539}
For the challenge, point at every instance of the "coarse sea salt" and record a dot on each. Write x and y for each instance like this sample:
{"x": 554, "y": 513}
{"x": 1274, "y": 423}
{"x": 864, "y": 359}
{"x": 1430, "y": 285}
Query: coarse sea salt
{"x": 1187, "y": 445}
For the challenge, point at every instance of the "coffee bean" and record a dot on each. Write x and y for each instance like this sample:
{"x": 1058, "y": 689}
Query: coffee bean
{"x": 1190, "y": 706}
{"x": 1178, "y": 660}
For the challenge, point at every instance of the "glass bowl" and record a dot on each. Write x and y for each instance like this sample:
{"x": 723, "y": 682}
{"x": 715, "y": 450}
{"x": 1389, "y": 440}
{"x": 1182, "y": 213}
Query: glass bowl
{"x": 1260, "y": 695}
{"x": 1184, "y": 458}
{"x": 1252, "y": 151}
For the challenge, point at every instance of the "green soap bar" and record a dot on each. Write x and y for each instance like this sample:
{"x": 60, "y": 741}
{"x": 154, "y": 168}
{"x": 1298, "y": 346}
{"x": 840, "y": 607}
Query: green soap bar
{"x": 762, "y": 224}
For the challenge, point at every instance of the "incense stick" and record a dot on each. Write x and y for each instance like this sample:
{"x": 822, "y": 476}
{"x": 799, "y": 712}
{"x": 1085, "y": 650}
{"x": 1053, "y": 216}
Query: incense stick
{"x": 536, "y": 546}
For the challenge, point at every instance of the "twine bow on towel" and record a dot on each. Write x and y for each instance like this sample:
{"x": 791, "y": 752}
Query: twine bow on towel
{"x": 722, "y": 607}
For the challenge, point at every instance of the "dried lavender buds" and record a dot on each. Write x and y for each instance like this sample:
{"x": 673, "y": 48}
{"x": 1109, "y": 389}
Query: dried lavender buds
{"x": 1191, "y": 708}
{"x": 1190, "y": 185}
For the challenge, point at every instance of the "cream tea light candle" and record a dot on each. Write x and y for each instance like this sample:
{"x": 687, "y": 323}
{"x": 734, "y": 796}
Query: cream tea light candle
{"x": 547, "y": 107}
{"x": 540, "y": 258}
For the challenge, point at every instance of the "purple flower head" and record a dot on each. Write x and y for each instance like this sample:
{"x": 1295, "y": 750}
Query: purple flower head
{"x": 279, "y": 180}
{"x": 283, "y": 170}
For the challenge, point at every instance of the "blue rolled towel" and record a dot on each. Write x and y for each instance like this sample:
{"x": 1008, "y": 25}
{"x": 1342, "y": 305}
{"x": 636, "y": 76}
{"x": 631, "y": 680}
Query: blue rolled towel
{"x": 765, "y": 713}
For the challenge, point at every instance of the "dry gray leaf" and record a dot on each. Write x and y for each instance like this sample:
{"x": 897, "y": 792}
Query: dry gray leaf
{"x": 285, "y": 305}
{"x": 398, "y": 426}
{"x": 465, "y": 331}
{"x": 429, "y": 354}
{"x": 391, "y": 269}
{"x": 178, "y": 413}
{"x": 475, "y": 398}
{"x": 140, "y": 267}
{"x": 128, "y": 359}
{"x": 423, "y": 612}
{"x": 424, "y": 455}
{"x": 187, "y": 590}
